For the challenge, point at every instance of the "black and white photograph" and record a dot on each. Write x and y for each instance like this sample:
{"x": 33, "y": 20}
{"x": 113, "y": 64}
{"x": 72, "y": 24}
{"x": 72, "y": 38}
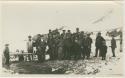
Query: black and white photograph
{"x": 62, "y": 38}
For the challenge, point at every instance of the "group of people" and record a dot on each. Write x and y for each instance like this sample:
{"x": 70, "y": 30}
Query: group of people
{"x": 65, "y": 46}
{"x": 68, "y": 45}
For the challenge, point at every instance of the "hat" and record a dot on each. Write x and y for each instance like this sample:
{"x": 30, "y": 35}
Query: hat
{"x": 82, "y": 31}
{"x": 42, "y": 35}
{"x": 39, "y": 35}
{"x": 77, "y": 28}
{"x": 68, "y": 30}
{"x": 29, "y": 36}
{"x": 99, "y": 32}
{"x": 6, "y": 44}
{"x": 88, "y": 34}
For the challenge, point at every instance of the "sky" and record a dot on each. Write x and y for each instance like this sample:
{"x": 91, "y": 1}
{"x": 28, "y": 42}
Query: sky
{"x": 22, "y": 19}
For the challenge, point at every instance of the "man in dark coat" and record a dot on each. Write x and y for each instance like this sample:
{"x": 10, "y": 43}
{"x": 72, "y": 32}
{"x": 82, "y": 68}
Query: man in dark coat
{"x": 67, "y": 45}
{"x": 38, "y": 43}
{"x": 6, "y": 54}
{"x": 113, "y": 46}
{"x": 51, "y": 45}
{"x": 87, "y": 41}
{"x": 98, "y": 44}
{"x": 77, "y": 41}
{"x": 89, "y": 45}
{"x": 43, "y": 48}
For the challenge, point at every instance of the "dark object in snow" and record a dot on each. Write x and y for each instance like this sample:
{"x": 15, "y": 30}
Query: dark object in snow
{"x": 106, "y": 64}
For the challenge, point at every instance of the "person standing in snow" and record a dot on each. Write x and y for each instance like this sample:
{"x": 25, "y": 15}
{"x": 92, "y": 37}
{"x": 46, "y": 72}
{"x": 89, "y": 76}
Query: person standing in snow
{"x": 6, "y": 54}
{"x": 87, "y": 41}
{"x": 98, "y": 44}
{"x": 113, "y": 46}
{"x": 30, "y": 47}
{"x": 103, "y": 50}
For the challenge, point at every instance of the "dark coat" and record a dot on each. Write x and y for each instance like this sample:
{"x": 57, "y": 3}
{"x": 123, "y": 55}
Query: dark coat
{"x": 113, "y": 43}
{"x": 99, "y": 40}
{"x": 103, "y": 50}
{"x": 6, "y": 55}
{"x": 87, "y": 42}
{"x": 6, "y": 52}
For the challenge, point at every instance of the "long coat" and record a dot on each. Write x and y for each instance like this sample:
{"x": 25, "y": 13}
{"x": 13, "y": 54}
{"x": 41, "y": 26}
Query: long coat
{"x": 87, "y": 42}
{"x": 113, "y": 43}
{"x": 99, "y": 40}
{"x": 6, "y": 55}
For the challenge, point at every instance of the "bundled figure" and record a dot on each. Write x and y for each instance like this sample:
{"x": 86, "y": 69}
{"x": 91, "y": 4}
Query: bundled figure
{"x": 40, "y": 48}
{"x": 87, "y": 41}
{"x": 6, "y": 54}
{"x": 77, "y": 49}
{"x": 103, "y": 50}
{"x": 98, "y": 44}
{"x": 60, "y": 49}
{"x": 43, "y": 48}
{"x": 51, "y": 45}
{"x": 67, "y": 45}
{"x": 77, "y": 44}
{"x": 113, "y": 46}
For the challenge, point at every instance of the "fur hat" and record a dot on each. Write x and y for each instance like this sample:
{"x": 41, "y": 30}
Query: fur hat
{"x": 6, "y": 44}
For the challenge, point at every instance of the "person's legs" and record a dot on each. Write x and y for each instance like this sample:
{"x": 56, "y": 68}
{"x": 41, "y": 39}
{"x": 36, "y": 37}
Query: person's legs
{"x": 68, "y": 53}
{"x": 56, "y": 52}
{"x": 89, "y": 51}
{"x": 83, "y": 53}
{"x": 105, "y": 56}
{"x": 100, "y": 53}
{"x": 53, "y": 54}
{"x": 113, "y": 52}
{"x": 96, "y": 50}
{"x": 80, "y": 52}
{"x": 50, "y": 53}
{"x": 40, "y": 58}
{"x": 65, "y": 52}
{"x": 86, "y": 51}
{"x": 43, "y": 55}
{"x": 7, "y": 61}
{"x": 29, "y": 57}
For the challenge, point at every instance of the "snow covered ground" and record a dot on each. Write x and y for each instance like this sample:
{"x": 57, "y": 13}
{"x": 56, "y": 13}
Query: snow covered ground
{"x": 112, "y": 66}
